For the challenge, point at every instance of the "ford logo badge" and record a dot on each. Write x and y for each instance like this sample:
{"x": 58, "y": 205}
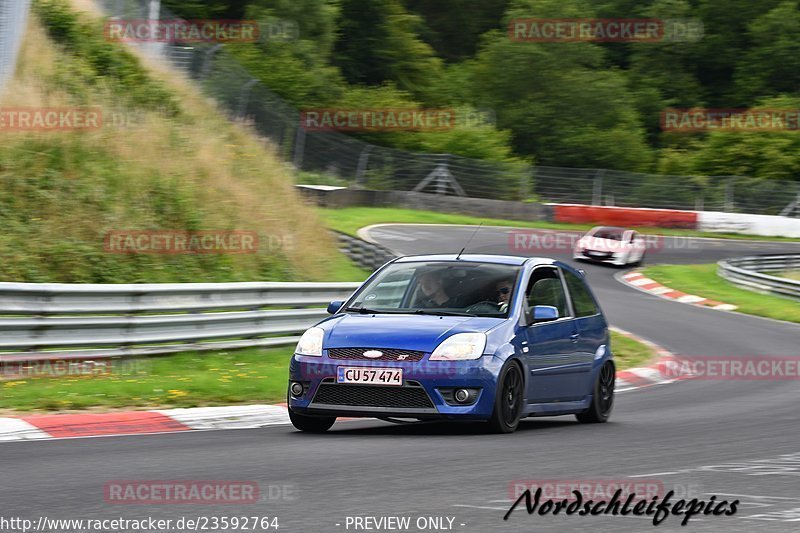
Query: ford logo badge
{"x": 373, "y": 354}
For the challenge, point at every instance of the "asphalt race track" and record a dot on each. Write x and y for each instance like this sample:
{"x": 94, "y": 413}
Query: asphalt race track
{"x": 733, "y": 439}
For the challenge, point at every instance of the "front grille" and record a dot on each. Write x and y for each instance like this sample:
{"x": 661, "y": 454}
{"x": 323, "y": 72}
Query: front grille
{"x": 597, "y": 255}
{"x": 389, "y": 354}
{"x": 405, "y": 397}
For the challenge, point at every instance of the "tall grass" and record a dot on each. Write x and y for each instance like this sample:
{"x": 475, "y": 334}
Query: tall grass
{"x": 165, "y": 159}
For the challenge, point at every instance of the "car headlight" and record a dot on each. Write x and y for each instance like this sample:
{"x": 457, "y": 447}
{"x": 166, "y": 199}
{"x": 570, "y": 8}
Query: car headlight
{"x": 460, "y": 347}
{"x": 311, "y": 342}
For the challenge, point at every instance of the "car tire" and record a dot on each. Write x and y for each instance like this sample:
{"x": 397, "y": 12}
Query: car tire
{"x": 310, "y": 424}
{"x": 508, "y": 400}
{"x": 602, "y": 396}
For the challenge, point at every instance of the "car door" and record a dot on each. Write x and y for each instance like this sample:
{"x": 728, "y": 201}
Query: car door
{"x": 551, "y": 354}
{"x": 591, "y": 327}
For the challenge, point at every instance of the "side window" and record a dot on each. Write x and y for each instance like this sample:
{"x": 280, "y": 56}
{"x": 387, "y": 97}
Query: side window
{"x": 545, "y": 288}
{"x": 582, "y": 301}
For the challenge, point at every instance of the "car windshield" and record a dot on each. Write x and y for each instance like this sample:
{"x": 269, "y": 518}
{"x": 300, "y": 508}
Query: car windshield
{"x": 439, "y": 288}
{"x": 607, "y": 233}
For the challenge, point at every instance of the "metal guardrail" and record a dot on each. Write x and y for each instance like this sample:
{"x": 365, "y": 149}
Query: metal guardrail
{"x": 101, "y": 321}
{"x": 749, "y": 273}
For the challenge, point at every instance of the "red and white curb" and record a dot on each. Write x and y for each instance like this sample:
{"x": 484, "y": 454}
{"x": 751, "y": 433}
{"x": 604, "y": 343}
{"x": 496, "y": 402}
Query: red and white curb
{"x": 653, "y": 374}
{"x": 59, "y": 426}
{"x": 639, "y": 281}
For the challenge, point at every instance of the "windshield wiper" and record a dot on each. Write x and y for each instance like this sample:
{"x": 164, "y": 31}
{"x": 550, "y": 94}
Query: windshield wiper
{"x": 436, "y": 312}
{"x": 368, "y": 311}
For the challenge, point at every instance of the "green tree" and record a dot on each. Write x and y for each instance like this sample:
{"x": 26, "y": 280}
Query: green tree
{"x": 662, "y": 74}
{"x": 725, "y": 41}
{"x": 453, "y": 27}
{"x": 562, "y": 101}
{"x": 759, "y": 154}
{"x": 298, "y": 68}
{"x": 772, "y": 64}
{"x": 206, "y": 9}
{"x": 378, "y": 42}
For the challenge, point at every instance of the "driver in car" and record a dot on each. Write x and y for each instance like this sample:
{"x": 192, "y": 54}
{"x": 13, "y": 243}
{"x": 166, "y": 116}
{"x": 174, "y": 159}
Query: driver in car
{"x": 433, "y": 290}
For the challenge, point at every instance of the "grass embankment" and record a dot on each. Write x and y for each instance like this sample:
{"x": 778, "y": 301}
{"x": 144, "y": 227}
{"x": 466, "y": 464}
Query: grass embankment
{"x": 350, "y": 219}
{"x": 702, "y": 280}
{"x": 193, "y": 379}
{"x": 164, "y": 159}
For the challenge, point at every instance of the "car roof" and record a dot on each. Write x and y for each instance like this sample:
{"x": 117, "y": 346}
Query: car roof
{"x": 497, "y": 259}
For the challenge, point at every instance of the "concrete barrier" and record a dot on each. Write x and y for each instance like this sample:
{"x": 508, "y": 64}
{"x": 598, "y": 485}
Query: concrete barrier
{"x": 767, "y": 225}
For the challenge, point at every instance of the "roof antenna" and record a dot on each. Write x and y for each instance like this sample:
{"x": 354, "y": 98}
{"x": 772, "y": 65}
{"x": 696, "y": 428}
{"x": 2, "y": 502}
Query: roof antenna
{"x": 469, "y": 241}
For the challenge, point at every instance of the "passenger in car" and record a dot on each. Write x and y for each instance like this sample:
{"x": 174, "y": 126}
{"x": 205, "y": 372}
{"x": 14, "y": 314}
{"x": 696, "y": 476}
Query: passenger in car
{"x": 504, "y": 288}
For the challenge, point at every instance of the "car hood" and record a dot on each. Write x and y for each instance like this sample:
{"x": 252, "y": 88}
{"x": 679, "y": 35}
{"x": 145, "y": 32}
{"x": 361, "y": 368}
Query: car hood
{"x": 409, "y": 332}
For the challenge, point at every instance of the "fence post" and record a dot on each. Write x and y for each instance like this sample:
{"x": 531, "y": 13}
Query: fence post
{"x": 244, "y": 97}
{"x": 525, "y": 182}
{"x": 441, "y": 178}
{"x": 206, "y": 69}
{"x": 729, "y": 205}
{"x": 793, "y": 206}
{"x": 363, "y": 159}
{"x": 299, "y": 146}
{"x": 597, "y": 187}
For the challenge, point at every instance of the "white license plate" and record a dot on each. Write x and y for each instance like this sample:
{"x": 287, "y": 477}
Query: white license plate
{"x": 370, "y": 376}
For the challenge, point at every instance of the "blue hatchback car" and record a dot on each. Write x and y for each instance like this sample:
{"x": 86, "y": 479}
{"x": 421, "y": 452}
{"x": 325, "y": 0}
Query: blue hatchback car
{"x": 471, "y": 337}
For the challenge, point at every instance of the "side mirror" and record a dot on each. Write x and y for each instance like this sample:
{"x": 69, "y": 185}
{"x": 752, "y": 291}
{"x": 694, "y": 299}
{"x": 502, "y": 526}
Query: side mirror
{"x": 334, "y": 307}
{"x": 544, "y": 313}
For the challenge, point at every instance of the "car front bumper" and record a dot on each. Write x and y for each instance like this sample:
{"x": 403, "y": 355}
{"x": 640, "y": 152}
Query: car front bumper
{"x": 614, "y": 258}
{"x": 422, "y": 395}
